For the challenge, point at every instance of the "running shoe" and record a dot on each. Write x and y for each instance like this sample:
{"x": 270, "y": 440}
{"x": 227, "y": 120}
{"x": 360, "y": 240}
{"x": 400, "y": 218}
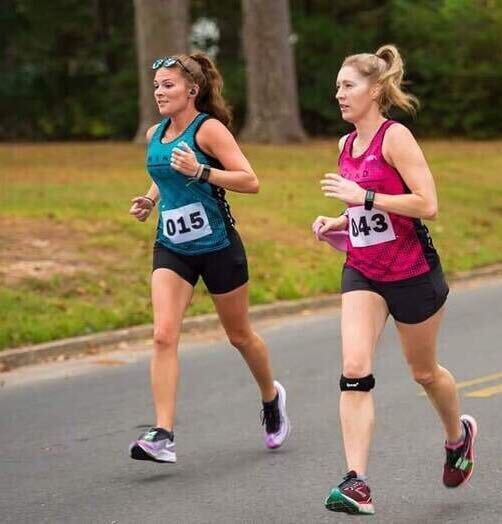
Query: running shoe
{"x": 156, "y": 445}
{"x": 275, "y": 419}
{"x": 351, "y": 496}
{"x": 460, "y": 459}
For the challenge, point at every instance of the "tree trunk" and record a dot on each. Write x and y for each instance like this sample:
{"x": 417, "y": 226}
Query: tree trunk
{"x": 273, "y": 114}
{"x": 161, "y": 30}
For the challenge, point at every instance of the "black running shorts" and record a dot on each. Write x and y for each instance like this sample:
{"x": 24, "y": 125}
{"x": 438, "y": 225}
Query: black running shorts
{"x": 222, "y": 271}
{"x": 410, "y": 301}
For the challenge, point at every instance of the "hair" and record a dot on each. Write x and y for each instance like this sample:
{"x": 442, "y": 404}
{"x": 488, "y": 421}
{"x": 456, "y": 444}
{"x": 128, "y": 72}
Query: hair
{"x": 205, "y": 74}
{"x": 385, "y": 68}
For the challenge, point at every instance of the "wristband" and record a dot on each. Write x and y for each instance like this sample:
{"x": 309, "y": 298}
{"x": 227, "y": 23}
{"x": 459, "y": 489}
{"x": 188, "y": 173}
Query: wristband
{"x": 199, "y": 171}
{"x": 151, "y": 200}
{"x": 206, "y": 171}
{"x": 369, "y": 199}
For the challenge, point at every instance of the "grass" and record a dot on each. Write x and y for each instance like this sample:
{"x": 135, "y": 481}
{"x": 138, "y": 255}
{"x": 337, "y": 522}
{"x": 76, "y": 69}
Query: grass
{"x": 73, "y": 262}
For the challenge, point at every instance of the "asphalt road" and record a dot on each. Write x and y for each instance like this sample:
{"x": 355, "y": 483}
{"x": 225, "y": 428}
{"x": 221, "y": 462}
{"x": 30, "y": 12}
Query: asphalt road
{"x": 64, "y": 432}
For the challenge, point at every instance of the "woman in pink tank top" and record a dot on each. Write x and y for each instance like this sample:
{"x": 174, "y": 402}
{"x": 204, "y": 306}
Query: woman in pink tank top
{"x": 392, "y": 268}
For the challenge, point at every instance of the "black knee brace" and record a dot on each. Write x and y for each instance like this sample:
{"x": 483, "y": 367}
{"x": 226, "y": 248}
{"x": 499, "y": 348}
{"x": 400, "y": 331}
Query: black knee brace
{"x": 357, "y": 384}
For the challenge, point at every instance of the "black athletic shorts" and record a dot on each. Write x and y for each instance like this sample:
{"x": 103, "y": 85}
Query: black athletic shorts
{"x": 222, "y": 271}
{"x": 410, "y": 301}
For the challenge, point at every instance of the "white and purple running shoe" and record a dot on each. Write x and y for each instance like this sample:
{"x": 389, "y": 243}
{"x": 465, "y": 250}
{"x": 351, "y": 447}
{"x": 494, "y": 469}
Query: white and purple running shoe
{"x": 156, "y": 445}
{"x": 275, "y": 419}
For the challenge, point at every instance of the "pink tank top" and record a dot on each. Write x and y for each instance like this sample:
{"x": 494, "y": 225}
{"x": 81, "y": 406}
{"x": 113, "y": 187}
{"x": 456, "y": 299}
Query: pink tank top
{"x": 383, "y": 246}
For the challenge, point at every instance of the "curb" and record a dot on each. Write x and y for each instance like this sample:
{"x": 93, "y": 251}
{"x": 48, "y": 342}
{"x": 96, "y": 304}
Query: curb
{"x": 65, "y": 348}
{"x": 68, "y": 347}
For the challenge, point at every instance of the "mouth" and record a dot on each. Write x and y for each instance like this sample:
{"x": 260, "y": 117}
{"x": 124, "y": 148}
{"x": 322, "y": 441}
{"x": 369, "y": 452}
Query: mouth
{"x": 344, "y": 107}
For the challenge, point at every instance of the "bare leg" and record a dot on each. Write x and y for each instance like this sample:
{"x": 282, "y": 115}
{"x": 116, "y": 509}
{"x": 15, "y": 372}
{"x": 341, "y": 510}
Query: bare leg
{"x": 363, "y": 317}
{"x": 419, "y": 346}
{"x": 170, "y": 298}
{"x": 232, "y": 308}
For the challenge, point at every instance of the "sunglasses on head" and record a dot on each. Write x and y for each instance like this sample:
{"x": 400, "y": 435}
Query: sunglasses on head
{"x": 169, "y": 62}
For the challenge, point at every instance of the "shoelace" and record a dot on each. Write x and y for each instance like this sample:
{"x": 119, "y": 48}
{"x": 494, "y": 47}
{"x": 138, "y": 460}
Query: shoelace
{"x": 271, "y": 418}
{"x": 455, "y": 458}
{"x": 150, "y": 435}
{"x": 349, "y": 483}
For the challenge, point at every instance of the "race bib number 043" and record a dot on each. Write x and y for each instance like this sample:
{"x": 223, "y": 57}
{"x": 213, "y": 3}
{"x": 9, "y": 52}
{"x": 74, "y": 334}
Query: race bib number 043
{"x": 367, "y": 228}
{"x": 185, "y": 223}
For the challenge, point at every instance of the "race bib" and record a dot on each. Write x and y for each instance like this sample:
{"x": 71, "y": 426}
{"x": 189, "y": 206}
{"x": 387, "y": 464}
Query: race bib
{"x": 367, "y": 228}
{"x": 185, "y": 223}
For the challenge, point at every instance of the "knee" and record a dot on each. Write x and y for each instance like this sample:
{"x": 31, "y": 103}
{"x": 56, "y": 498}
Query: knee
{"x": 165, "y": 340}
{"x": 240, "y": 339}
{"x": 424, "y": 377}
{"x": 356, "y": 368}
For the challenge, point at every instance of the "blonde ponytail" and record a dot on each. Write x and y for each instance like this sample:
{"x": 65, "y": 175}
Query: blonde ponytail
{"x": 385, "y": 68}
{"x": 390, "y": 81}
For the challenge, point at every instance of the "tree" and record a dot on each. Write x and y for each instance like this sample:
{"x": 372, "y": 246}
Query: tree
{"x": 272, "y": 97}
{"x": 161, "y": 30}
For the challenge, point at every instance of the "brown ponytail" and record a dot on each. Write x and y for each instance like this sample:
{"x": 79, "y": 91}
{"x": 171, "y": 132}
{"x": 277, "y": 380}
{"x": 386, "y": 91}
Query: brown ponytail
{"x": 204, "y": 73}
{"x": 385, "y": 68}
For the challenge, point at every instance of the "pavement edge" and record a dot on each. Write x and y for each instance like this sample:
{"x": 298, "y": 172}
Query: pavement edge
{"x": 66, "y": 348}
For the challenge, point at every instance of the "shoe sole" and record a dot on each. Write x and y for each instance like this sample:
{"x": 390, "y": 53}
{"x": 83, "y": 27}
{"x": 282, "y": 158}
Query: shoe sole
{"x": 474, "y": 428}
{"x": 337, "y": 501}
{"x": 282, "y": 399}
{"x": 138, "y": 453}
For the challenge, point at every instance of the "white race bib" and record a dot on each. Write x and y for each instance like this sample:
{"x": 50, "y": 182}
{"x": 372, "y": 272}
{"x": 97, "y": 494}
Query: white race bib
{"x": 367, "y": 228}
{"x": 185, "y": 223}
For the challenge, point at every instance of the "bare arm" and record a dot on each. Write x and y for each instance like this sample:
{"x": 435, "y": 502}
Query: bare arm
{"x": 238, "y": 175}
{"x": 401, "y": 151}
{"x": 153, "y": 192}
{"x": 142, "y": 206}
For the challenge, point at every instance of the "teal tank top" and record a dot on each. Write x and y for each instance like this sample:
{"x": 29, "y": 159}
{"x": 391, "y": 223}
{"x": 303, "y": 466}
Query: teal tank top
{"x": 194, "y": 217}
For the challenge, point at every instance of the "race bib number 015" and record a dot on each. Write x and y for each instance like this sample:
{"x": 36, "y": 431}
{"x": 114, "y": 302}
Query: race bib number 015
{"x": 367, "y": 228}
{"x": 185, "y": 223}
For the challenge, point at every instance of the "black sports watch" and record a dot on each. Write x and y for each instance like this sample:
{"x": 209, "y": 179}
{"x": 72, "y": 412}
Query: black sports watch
{"x": 204, "y": 176}
{"x": 369, "y": 199}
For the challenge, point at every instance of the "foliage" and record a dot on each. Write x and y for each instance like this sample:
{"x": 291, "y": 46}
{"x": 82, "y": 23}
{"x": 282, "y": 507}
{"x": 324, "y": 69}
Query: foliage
{"x": 68, "y": 68}
{"x": 72, "y": 261}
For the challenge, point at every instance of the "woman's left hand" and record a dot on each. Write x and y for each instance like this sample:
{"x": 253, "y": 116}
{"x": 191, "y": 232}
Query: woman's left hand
{"x": 183, "y": 159}
{"x": 335, "y": 186}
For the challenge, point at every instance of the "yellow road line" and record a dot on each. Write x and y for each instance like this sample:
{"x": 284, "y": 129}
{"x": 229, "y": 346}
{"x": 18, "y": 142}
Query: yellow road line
{"x": 474, "y": 381}
{"x": 487, "y": 392}
{"x": 479, "y": 380}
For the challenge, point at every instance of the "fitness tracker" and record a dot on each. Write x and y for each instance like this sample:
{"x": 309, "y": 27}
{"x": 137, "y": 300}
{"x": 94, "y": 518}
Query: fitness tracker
{"x": 204, "y": 176}
{"x": 369, "y": 199}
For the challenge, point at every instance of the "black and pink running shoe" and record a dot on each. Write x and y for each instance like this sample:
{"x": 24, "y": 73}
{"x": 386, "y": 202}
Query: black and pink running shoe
{"x": 460, "y": 459}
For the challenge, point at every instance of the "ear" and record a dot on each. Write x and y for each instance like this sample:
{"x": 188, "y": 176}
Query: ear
{"x": 194, "y": 90}
{"x": 375, "y": 91}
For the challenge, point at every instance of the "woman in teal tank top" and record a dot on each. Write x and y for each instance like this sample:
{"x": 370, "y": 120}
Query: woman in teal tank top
{"x": 193, "y": 159}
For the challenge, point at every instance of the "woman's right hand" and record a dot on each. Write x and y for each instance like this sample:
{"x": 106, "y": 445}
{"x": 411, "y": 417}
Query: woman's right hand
{"x": 141, "y": 208}
{"x": 324, "y": 224}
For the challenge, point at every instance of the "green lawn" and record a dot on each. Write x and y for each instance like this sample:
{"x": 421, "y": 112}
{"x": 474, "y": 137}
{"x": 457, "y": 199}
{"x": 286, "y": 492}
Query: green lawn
{"x": 72, "y": 261}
